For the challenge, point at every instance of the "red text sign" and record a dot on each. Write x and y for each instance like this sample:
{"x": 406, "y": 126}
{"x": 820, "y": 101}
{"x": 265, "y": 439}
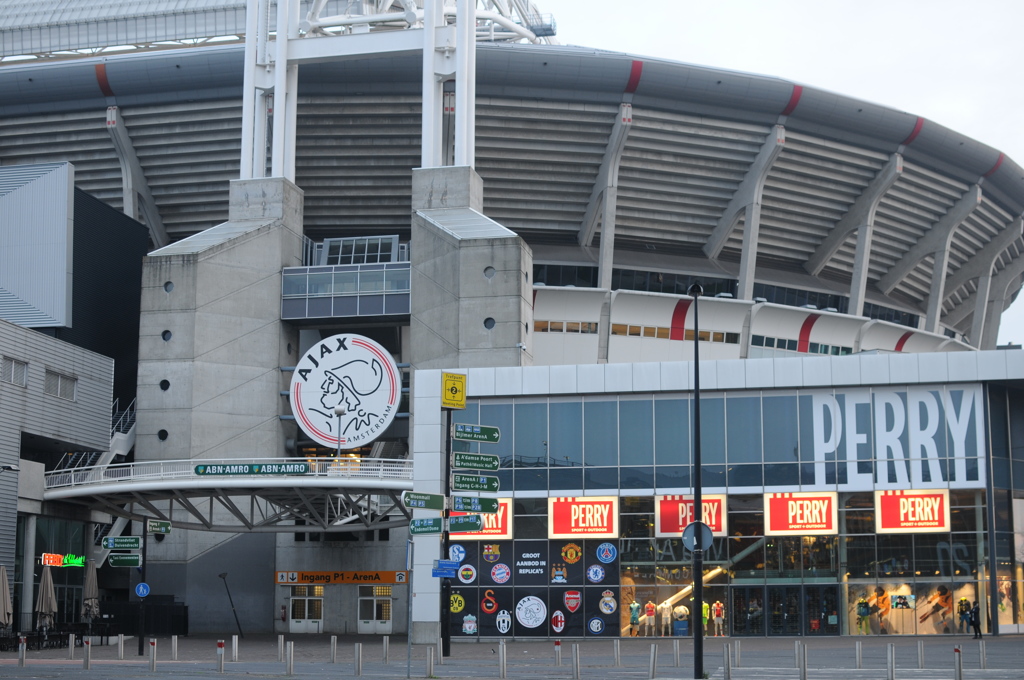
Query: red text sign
{"x": 801, "y": 514}
{"x": 673, "y": 513}
{"x": 592, "y": 516}
{"x": 497, "y": 525}
{"x": 904, "y": 512}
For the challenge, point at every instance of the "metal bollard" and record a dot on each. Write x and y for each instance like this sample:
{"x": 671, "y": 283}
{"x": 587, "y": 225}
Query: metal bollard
{"x": 220, "y": 656}
{"x": 359, "y": 658}
{"x": 334, "y": 649}
{"x": 675, "y": 651}
{"x": 440, "y": 653}
{"x": 981, "y": 652}
{"x": 803, "y": 662}
{"x": 289, "y": 653}
{"x": 174, "y": 648}
{"x": 234, "y": 648}
{"x": 652, "y": 665}
{"x": 386, "y": 649}
{"x": 152, "y": 654}
{"x": 576, "y": 662}
{"x": 920, "y": 654}
{"x": 726, "y": 662}
{"x": 737, "y": 664}
{"x": 120, "y": 646}
{"x": 86, "y": 654}
{"x": 558, "y": 652}
{"x": 796, "y": 653}
{"x": 860, "y": 655}
{"x": 280, "y": 649}
{"x": 502, "y": 660}
{"x": 430, "y": 662}
{"x": 890, "y": 663}
{"x": 958, "y": 664}
{"x": 71, "y": 646}
{"x": 615, "y": 653}
{"x": 21, "y": 651}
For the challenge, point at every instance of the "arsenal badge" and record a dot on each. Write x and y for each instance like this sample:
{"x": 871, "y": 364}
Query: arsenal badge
{"x": 572, "y": 599}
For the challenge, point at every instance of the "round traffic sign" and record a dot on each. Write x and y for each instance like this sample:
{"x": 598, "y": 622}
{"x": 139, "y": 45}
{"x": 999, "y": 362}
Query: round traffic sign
{"x": 142, "y": 589}
{"x": 690, "y": 536}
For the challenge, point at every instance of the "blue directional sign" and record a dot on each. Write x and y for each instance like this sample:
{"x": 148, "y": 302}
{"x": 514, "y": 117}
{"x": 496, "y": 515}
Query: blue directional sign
{"x": 142, "y": 589}
{"x": 442, "y": 573}
{"x": 446, "y": 564}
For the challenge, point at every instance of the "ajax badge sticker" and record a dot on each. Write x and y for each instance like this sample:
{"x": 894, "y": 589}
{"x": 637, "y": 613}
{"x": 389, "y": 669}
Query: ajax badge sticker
{"x": 558, "y": 573}
{"x": 500, "y": 573}
{"x": 467, "y": 573}
{"x": 572, "y": 553}
{"x": 596, "y": 625}
{"x": 489, "y": 605}
{"x": 491, "y": 552}
{"x": 595, "y": 573}
{"x": 606, "y": 552}
{"x": 572, "y": 599}
{"x": 504, "y": 621}
{"x": 608, "y": 605}
{"x": 353, "y": 374}
{"x": 456, "y": 553}
{"x": 531, "y": 611}
{"x": 469, "y": 624}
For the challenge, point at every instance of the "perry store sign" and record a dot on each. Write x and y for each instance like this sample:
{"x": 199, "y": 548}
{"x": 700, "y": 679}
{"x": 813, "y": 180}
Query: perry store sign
{"x": 675, "y": 512}
{"x": 584, "y": 517}
{"x": 801, "y": 514}
{"x": 911, "y": 512}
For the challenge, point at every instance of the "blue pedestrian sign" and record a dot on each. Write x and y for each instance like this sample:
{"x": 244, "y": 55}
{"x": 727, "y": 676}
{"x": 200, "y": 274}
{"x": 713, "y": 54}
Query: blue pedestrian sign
{"x": 142, "y": 589}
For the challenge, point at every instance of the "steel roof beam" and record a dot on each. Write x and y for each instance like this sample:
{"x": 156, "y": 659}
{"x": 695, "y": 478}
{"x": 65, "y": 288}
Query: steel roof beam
{"x": 1000, "y": 284}
{"x": 986, "y": 257}
{"x": 135, "y": 188}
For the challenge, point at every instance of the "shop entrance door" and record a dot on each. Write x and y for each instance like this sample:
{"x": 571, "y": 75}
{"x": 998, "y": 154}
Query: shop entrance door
{"x": 746, "y": 610}
{"x": 821, "y": 607}
{"x": 783, "y": 610}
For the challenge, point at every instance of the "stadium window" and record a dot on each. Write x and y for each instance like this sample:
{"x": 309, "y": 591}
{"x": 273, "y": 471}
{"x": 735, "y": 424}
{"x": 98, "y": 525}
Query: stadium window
{"x": 540, "y": 326}
{"x": 664, "y": 333}
{"x": 59, "y": 385}
{"x": 791, "y": 345}
{"x": 757, "y": 340}
{"x": 555, "y": 326}
{"x": 688, "y": 334}
{"x": 650, "y": 331}
{"x": 619, "y": 329}
{"x": 733, "y": 338}
{"x": 718, "y": 336}
{"x": 572, "y": 326}
{"x": 634, "y": 331}
{"x": 13, "y": 371}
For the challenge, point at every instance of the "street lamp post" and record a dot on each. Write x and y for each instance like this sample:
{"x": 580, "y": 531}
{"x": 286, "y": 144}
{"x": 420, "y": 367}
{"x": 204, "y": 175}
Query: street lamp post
{"x": 340, "y": 411}
{"x": 224, "y": 576}
{"x": 696, "y": 290}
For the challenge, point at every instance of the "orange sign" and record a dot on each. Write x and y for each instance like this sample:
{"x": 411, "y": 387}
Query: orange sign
{"x": 812, "y": 513}
{"x": 905, "y": 512}
{"x": 590, "y": 517}
{"x": 673, "y": 513}
{"x": 497, "y": 525}
{"x": 329, "y": 578}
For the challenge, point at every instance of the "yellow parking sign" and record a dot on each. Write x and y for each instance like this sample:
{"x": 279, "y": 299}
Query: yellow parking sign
{"x": 453, "y": 390}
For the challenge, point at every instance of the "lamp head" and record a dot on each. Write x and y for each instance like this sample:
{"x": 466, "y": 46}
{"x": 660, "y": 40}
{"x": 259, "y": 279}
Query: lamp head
{"x": 12, "y": 468}
{"x": 695, "y": 290}
{"x": 340, "y": 410}
{"x": 223, "y": 575}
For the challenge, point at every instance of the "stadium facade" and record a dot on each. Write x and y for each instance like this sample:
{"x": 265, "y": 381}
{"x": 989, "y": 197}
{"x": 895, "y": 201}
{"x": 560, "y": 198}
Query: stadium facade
{"x": 531, "y": 215}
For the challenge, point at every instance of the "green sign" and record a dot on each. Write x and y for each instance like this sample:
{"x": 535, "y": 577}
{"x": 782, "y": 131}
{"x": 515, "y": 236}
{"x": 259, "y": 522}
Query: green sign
{"x": 157, "y": 526}
{"x": 472, "y": 504}
{"x": 466, "y": 523}
{"x": 426, "y": 526}
{"x": 477, "y": 433}
{"x": 476, "y": 461}
{"x": 474, "y": 483}
{"x": 297, "y": 468}
{"x": 125, "y": 560}
{"x": 426, "y": 501}
{"x": 122, "y": 542}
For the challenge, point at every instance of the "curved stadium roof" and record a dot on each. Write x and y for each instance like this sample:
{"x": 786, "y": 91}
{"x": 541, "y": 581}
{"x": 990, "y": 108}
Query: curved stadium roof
{"x": 544, "y": 117}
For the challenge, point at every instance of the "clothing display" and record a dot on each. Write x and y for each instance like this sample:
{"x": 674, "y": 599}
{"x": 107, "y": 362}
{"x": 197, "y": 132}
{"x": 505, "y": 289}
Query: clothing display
{"x": 650, "y": 610}
{"x": 718, "y": 616}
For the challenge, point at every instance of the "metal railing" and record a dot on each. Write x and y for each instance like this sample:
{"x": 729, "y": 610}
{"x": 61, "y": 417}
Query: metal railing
{"x": 348, "y": 468}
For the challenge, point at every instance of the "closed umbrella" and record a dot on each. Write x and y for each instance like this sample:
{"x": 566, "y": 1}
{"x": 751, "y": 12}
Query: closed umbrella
{"x": 46, "y": 601}
{"x": 90, "y": 593}
{"x": 6, "y": 610}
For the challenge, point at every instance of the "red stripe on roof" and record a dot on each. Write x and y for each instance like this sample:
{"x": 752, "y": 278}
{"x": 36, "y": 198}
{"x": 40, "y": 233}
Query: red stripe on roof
{"x": 995, "y": 167}
{"x": 903, "y": 340}
{"x": 915, "y": 132}
{"x": 101, "y": 79}
{"x": 678, "y": 331}
{"x": 794, "y": 99}
{"x": 634, "y": 76}
{"x": 805, "y": 333}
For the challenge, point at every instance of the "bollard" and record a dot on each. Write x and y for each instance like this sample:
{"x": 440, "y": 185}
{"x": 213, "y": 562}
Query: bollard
{"x": 21, "y": 651}
{"x": 386, "y": 640}
{"x": 86, "y": 654}
{"x": 860, "y": 656}
{"x": 430, "y": 662}
{"x": 652, "y": 665}
{"x": 502, "y": 660}
{"x": 174, "y": 648}
{"x": 289, "y": 653}
{"x": 920, "y": 654}
{"x": 71, "y": 646}
{"x": 796, "y": 654}
{"x": 675, "y": 651}
{"x": 152, "y": 654}
{"x": 576, "y": 661}
{"x": 803, "y": 662}
{"x": 958, "y": 664}
{"x": 280, "y": 649}
{"x": 726, "y": 661}
{"x": 359, "y": 658}
{"x": 558, "y": 652}
{"x": 615, "y": 652}
{"x": 890, "y": 664}
{"x": 737, "y": 664}
{"x": 234, "y": 648}
{"x": 334, "y": 649}
{"x": 981, "y": 652}
{"x": 220, "y": 656}
{"x": 440, "y": 653}
{"x": 120, "y": 646}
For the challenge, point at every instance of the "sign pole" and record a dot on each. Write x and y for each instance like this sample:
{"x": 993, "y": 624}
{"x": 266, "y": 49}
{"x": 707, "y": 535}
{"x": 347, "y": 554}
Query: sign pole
{"x": 142, "y": 600}
{"x": 698, "y": 503}
{"x": 446, "y": 583}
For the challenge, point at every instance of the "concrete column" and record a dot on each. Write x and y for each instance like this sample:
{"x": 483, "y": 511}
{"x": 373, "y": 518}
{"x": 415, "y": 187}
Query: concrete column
{"x": 28, "y": 562}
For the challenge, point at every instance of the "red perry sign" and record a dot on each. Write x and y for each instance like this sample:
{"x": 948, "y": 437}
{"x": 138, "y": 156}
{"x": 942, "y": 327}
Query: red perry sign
{"x": 673, "y": 513}
{"x": 497, "y": 525}
{"x": 591, "y": 517}
{"x": 905, "y": 512}
{"x": 801, "y": 514}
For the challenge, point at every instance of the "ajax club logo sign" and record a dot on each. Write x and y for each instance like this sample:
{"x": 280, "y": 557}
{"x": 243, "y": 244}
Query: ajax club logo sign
{"x": 354, "y": 373}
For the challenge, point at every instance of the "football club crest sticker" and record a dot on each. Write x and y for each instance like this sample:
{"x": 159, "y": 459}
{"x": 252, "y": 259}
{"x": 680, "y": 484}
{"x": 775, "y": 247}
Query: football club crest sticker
{"x": 572, "y": 553}
{"x": 469, "y": 624}
{"x": 504, "y": 621}
{"x": 608, "y": 605}
{"x": 606, "y": 552}
{"x": 489, "y": 605}
{"x": 491, "y": 552}
{"x": 457, "y": 603}
{"x": 467, "y": 573}
{"x": 596, "y": 625}
{"x": 558, "y": 621}
{"x": 456, "y": 553}
{"x": 558, "y": 573}
{"x": 500, "y": 573}
{"x": 572, "y": 599}
{"x": 531, "y": 611}
{"x": 595, "y": 573}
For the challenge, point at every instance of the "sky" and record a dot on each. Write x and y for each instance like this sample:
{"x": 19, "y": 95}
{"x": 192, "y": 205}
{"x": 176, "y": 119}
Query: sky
{"x": 954, "y": 63}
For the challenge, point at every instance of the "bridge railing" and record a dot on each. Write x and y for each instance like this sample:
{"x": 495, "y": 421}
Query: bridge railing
{"x": 354, "y": 468}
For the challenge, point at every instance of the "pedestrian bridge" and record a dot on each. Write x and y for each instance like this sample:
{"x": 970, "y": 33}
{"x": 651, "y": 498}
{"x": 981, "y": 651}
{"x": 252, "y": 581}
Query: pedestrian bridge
{"x": 238, "y": 495}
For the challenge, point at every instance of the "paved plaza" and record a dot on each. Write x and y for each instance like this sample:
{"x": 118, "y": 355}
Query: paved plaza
{"x": 775, "y": 658}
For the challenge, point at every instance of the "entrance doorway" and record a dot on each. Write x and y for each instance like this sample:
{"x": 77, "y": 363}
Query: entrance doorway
{"x": 374, "y": 610}
{"x": 746, "y": 610}
{"x": 307, "y": 609}
{"x": 821, "y": 604}
{"x": 784, "y": 610}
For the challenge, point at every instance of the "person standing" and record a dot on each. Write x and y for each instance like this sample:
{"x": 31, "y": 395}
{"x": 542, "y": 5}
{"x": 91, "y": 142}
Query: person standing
{"x": 976, "y": 620}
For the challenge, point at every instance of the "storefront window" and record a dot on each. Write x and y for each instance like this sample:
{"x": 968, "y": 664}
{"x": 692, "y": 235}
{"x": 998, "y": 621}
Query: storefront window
{"x": 600, "y": 440}
{"x": 672, "y": 431}
{"x": 636, "y": 432}
{"x": 743, "y": 418}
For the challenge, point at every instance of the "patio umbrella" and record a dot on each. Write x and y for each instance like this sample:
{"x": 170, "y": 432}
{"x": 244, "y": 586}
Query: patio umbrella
{"x": 46, "y": 601}
{"x": 90, "y": 593}
{"x": 6, "y": 610}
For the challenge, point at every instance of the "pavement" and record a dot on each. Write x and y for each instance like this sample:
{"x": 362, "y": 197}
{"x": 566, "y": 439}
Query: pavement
{"x": 832, "y": 658}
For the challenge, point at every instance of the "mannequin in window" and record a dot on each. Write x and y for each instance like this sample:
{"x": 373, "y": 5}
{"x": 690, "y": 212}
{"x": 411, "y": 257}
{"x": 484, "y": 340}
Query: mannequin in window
{"x": 650, "y": 612}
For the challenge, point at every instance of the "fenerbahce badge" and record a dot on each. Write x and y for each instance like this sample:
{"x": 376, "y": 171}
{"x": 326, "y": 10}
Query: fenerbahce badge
{"x": 352, "y": 372}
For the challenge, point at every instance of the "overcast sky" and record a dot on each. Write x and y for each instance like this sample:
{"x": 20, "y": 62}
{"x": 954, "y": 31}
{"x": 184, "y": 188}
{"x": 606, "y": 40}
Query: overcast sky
{"x": 954, "y": 63}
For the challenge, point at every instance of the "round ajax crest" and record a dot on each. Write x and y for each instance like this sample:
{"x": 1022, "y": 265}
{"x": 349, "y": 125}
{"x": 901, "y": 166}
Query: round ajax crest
{"x": 345, "y": 391}
{"x": 531, "y": 611}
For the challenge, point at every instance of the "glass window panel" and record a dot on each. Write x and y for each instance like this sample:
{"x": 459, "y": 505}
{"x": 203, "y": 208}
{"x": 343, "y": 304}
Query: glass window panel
{"x": 636, "y": 432}
{"x": 294, "y": 284}
{"x": 782, "y": 556}
{"x": 664, "y": 333}
{"x": 718, "y": 337}
{"x": 781, "y": 474}
{"x": 346, "y": 282}
{"x": 531, "y": 479}
{"x": 672, "y": 431}
{"x": 672, "y": 476}
{"x": 371, "y": 281}
{"x": 895, "y": 555}
{"x": 396, "y": 279}
{"x": 572, "y": 326}
{"x": 530, "y": 447}
{"x": 565, "y": 443}
{"x": 540, "y": 326}
{"x": 600, "y": 440}
{"x": 712, "y": 429}
{"x": 566, "y": 478}
{"x": 649, "y": 331}
{"x": 636, "y": 477}
{"x": 713, "y": 475}
{"x": 998, "y": 432}
{"x": 555, "y": 327}
{"x": 298, "y": 609}
{"x": 931, "y": 555}
{"x": 860, "y": 556}
{"x": 743, "y": 475}
{"x": 600, "y": 478}
{"x": 320, "y": 284}
{"x": 500, "y": 416}
{"x": 780, "y": 426}
{"x": 820, "y": 555}
{"x": 315, "y": 609}
{"x": 619, "y": 329}
{"x": 531, "y": 527}
{"x": 747, "y": 555}
{"x": 743, "y": 417}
